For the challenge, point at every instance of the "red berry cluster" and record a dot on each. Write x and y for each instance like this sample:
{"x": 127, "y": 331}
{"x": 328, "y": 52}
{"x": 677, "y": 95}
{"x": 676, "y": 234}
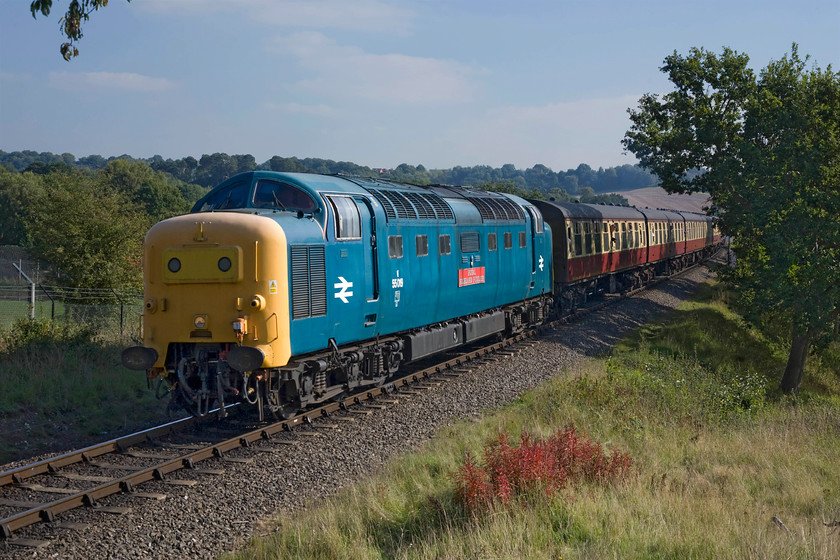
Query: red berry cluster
{"x": 536, "y": 465}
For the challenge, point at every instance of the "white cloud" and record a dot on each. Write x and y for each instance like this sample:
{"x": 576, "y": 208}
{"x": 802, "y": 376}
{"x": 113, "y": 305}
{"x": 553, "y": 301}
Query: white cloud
{"x": 109, "y": 81}
{"x": 348, "y": 71}
{"x": 368, "y": 15}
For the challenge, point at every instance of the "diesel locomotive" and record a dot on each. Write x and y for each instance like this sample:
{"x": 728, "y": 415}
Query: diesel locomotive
{"x": 283, "y": 290}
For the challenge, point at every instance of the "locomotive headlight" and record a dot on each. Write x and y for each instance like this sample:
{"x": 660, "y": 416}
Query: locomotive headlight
{"x": 258, "y": 303}
{"x": 200, "y": 321}
{"x": 174, "y": 265}
{"x": 224, "y": 264}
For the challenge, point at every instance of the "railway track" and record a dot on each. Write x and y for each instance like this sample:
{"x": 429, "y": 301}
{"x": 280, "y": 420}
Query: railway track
{"x": 82, "y": 479}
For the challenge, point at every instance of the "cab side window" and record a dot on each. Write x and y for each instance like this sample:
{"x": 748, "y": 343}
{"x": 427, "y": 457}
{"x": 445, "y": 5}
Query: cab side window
{"x": 348, "y": 224}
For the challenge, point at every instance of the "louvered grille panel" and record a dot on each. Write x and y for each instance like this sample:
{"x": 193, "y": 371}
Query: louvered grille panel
{"x": 409, "y": 205}
{"x": 424, "y": 209}
{"x": 484, "y": 209}
{"x": 442, "y": 209}
{"x": 390, "y": 212}
{"x": 300, "y": 282}
{"x": 492, "y": 208}
{"x": 309, "y": 282}
{"x": 401, "y": 204}
{"x": 317, "y": 281}
{"x": 470, "y": 242}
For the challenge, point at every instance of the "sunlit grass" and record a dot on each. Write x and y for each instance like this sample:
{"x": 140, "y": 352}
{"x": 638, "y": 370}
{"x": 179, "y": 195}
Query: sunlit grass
{"x": 718, "y": 454}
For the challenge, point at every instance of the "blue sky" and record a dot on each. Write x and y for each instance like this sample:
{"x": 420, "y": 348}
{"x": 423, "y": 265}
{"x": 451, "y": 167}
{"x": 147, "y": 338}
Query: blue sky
{"x": 375, "y": 82}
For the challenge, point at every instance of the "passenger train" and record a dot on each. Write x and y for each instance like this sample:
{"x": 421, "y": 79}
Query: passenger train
{"x": 283, "y": 290}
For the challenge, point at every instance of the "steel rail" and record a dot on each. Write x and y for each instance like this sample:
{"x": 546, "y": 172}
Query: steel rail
{"x": 116, "y": 445}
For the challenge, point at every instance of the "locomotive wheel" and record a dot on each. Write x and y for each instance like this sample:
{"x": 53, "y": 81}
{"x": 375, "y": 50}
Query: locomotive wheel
{"x": 286, "y": 411}
{"x": 285, "y": 402}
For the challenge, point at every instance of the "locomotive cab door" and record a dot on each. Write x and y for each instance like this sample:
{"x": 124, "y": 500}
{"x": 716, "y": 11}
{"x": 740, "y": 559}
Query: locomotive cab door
{"x": 368, "y": 220}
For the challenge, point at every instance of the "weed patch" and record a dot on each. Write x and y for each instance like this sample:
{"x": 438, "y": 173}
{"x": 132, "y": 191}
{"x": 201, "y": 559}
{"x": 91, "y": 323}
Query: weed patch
{"x": 535, "y": 466}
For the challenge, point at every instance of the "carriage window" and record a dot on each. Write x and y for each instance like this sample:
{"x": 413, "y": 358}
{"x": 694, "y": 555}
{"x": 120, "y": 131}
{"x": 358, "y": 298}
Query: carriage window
{"x": 492, "y": 243}
{"x": 233, "y": 196}
{"x": 444, "y": 246}
{"x": 348, "y": 225}
{"x": 272, "y": 194}
{"x": 395, "y": 247}
{"x": 623, "y": 236}
{"x": 587, "y": 242}
{"x": 508, "y": 240}
{"x": 422, "y": 244}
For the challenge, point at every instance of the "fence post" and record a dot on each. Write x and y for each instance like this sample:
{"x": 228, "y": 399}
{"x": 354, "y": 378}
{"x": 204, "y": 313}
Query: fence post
{"x": 122, "y": 311}
{"x": 52, "y": 302}
{"x": 31, "y": 291}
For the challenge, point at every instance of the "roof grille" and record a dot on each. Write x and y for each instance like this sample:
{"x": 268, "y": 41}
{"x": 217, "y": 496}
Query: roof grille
{"x": 492, "y": 208}
{"x": 410, "y": 205}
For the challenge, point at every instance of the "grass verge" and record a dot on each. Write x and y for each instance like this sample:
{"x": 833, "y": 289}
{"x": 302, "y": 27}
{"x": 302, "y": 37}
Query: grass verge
{"x": 723, "y": 465}
{"x": 61, "y": 387}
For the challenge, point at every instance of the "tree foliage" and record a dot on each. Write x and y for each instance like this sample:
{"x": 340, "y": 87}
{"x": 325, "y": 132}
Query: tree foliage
{"x": 78, "y": 12}
{"x": 88, "y": 225}
{"x": 768, "y": 150}
{"x": 90, "y": 233}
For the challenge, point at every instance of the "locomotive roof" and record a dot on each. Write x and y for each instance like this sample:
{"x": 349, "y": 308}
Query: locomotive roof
{"x": 400, "y": 200}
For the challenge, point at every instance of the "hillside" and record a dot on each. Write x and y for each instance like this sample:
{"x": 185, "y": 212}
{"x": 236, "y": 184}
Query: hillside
{"x": 656, "y": 197}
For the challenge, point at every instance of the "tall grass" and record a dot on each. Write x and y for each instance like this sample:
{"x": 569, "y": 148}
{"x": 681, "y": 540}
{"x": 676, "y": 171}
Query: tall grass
{"x": 717, "y": 454}
{"x": 62, "y": 385}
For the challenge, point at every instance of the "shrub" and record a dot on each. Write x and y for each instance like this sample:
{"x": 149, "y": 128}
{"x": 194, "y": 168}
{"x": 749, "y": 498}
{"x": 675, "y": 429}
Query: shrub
{"x": 28, "y": 333}
{"x": 543, "y": 466}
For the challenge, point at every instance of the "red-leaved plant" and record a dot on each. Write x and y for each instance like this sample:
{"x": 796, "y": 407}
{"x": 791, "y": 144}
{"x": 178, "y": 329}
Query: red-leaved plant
{"x": 536, "y": 465}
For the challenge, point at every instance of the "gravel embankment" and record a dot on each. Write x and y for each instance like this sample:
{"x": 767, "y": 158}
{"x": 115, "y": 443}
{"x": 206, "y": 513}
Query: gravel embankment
{"x": 221, "y": 512}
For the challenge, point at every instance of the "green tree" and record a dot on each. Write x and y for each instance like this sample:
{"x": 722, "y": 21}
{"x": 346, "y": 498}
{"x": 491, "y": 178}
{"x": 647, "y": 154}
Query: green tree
{"x": 768, "y": 151}
{"x": 143, "y": 188}
{"x": 90, "y": 232}
{"x": 78, "y": 11}
{"x": 17, "y": 193}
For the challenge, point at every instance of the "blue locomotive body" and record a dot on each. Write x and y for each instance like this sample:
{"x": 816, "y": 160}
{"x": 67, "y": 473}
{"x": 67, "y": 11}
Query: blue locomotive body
{"x": 398, "y": 257}
{"x": 346, "y": 279}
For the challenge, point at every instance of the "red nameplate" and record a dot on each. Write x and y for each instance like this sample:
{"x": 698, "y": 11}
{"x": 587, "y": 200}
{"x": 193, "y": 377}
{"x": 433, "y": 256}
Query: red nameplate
{"x": 470, "y": 276}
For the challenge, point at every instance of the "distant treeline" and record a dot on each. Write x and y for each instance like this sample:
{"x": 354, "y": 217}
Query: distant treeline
{"x": 86, "y": 218}
{"x": 212, "y": 169}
